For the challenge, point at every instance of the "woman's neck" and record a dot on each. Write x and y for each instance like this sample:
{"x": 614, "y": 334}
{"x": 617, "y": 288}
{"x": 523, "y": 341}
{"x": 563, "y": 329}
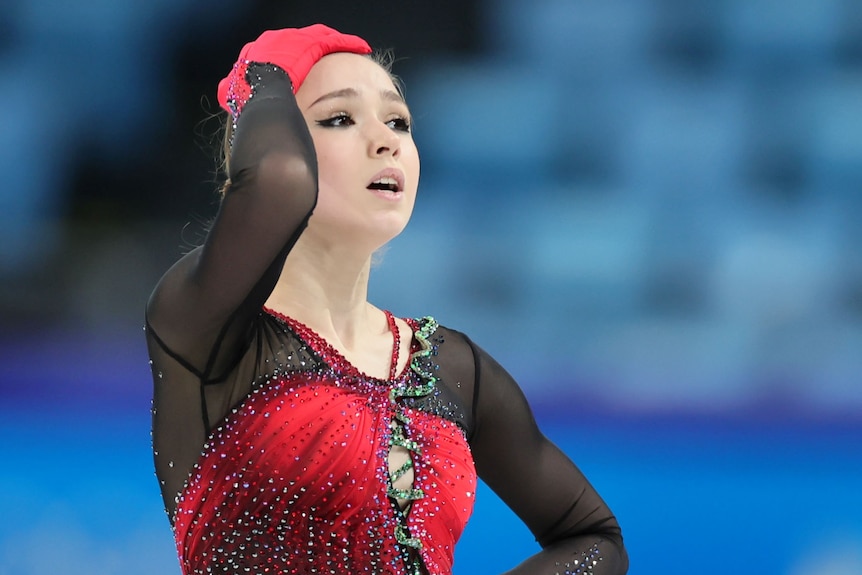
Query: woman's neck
{"x": 327, "y": 289}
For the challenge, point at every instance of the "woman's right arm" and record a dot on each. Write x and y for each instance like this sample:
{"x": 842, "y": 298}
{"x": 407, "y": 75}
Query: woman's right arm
{"x": 203, "y": 306}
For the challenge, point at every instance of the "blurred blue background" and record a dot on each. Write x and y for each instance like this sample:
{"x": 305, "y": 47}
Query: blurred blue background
{"x": 648, "y": 210}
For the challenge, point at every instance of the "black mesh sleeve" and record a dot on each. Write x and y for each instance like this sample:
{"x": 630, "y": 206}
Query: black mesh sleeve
{"x": 576, "y": 529}
{"x": 210, "y": 296}
{"x": 201, "y": 316}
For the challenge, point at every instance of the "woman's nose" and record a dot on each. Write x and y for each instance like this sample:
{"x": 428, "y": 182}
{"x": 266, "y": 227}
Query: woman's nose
{"x": 384, "y": 141}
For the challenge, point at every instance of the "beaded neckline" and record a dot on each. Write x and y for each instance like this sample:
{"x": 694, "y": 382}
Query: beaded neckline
{"x": 331, "y": 355}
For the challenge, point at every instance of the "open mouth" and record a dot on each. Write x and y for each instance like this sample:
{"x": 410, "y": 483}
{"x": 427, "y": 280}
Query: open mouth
{"x": 388, "y": 180}
{"x": 388, "y": 184}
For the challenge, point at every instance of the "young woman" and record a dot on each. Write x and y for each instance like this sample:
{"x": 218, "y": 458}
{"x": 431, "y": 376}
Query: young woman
{"x": 297, "y": 428}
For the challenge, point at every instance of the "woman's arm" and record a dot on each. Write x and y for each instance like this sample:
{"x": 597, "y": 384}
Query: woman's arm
{"x": 211, "y": 295}
{"x": 576, "y": 529}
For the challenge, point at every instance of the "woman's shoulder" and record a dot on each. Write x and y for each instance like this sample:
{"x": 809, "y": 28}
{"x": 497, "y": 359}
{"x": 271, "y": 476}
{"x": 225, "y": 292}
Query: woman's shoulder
{"x": 170, "y": 283}
{"x": 444, "y": 341}
{"x": 452, "y": 345}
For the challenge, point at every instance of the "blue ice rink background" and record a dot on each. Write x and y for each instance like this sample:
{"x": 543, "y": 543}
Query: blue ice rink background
{"x": 649, "y": 211}
{"x": 695, "y": 494}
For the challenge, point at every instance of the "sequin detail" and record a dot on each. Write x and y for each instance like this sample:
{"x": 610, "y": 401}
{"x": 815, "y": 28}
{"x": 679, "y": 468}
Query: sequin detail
{"x": 585, "y": 565}
{"x": 243, "y": 83}
{"x": 297, "y": 477}
{"x": 409, "y": 388}
{"x": 239, "y": 90}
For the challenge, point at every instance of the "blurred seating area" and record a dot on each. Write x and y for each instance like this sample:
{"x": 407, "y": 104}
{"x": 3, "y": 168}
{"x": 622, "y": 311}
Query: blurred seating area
{"x": 664, "y": 196}
{"x": 655, "y": 204}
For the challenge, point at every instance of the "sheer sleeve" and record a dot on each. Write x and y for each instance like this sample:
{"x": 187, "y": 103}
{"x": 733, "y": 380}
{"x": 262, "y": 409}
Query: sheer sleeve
{"x": 203, "y": 316}
{"x": 575, "y": 528}
{"x": 203, "y": 306}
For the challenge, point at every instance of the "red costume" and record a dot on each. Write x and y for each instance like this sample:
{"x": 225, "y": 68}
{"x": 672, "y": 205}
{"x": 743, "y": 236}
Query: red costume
{"x": 302, "y": 465}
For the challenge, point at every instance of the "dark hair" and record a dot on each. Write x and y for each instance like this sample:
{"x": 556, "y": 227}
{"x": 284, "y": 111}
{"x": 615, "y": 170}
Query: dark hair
{"x": 384, "y": 58}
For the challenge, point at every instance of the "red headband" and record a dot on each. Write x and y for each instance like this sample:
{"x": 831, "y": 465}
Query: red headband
{"x": 295, "y": 50}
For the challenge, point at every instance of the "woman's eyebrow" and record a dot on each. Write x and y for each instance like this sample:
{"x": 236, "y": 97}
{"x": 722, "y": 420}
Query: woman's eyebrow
{"x": 388, "y": 95}
{"x": 342, "y": 93}
{"x": 392, "y": 96}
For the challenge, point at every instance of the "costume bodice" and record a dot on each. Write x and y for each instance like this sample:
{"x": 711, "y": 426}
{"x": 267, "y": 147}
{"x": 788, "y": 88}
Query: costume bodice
{"x": 303, "y": 465}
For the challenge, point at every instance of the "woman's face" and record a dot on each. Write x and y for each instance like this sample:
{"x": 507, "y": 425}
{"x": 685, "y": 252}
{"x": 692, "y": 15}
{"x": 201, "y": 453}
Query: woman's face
{"x": 368, "y": 165}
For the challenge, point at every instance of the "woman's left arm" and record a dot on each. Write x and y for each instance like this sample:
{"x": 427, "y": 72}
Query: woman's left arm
{"x": 575, "y": 528}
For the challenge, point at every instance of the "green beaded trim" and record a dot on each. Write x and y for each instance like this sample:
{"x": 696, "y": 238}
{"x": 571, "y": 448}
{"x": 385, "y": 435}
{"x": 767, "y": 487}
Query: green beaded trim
{"x": 408, "y": 494}
{"x": 427, "y": 327}
{"x": 399, "y": 473}
{"x": 399, "y": 439}
{"x": 404, "y": 538}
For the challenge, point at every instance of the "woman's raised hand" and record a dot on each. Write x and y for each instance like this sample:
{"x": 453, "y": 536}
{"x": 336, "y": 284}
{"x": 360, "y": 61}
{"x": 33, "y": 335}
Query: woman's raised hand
{"x": 293, "y": 50}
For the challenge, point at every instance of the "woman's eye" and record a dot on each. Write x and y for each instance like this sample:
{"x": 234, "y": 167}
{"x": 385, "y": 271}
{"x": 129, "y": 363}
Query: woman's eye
{"x": 337, "y": 121}
{"x": 399, "y": 124}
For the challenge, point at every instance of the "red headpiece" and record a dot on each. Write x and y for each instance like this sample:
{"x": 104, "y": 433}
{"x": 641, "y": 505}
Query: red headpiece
{"x": 295, "y": 50}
